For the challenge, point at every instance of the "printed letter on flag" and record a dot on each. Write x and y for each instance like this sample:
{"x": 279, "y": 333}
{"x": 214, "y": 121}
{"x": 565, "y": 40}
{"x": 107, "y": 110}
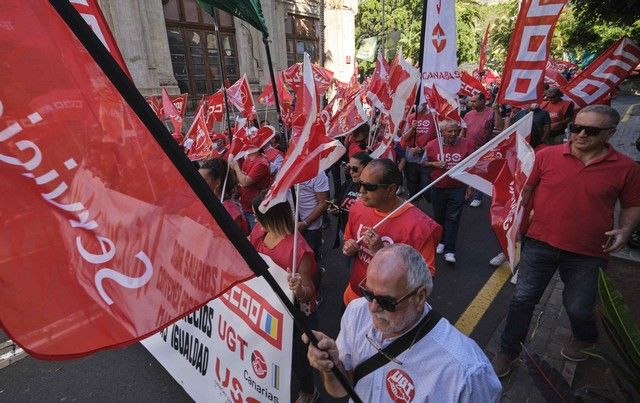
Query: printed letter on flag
{"x": 523, "y": 74}
{"x": 240, "y": 96}
{"x": 481, "y": 168}
{"x": 603, "y": 74}
{"x": 197, "y": 142}
{"x": 103, "y": 243}
{"x": 439, "y": 60}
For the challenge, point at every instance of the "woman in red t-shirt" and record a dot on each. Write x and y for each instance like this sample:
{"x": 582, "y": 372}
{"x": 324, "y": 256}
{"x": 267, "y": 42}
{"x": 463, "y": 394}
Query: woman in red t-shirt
{"x": 213, "y": 171}
{"x": 273, "y": 236}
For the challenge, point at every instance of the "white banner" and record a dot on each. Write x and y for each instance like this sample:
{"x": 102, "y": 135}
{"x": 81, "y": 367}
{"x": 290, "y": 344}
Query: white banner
{"x": 439, "y": 60}
{"x": 235, "y": 348}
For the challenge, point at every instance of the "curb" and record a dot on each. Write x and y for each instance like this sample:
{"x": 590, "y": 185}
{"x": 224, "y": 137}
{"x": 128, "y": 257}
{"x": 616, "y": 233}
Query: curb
{"x": 10, "y": 353}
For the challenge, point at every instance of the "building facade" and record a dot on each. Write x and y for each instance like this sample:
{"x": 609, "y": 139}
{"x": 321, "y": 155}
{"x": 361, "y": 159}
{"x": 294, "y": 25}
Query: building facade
{"x": 172, "y": 43}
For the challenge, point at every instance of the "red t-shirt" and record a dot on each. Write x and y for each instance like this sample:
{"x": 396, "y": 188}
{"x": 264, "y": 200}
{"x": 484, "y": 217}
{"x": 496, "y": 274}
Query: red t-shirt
{"x": 479, "y": 126}
{"x": 258, "y": 170}
{"x": 573, "y": 204}
{"x": 235, "y": 211}
{"x": 558, "y": 111}
{"x": 410, "y": 226}
{"x": 282, "y": 254}
{"x": 271, "y": 153}
{"x": 452, "y": 155}
{"x": 425, "y": 130}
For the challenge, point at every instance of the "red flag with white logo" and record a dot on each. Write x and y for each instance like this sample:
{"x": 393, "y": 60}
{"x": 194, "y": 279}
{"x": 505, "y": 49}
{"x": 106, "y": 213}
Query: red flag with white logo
{"x": 376, "y": 87}
{"x": 350, "y": 114}
{"x": 444, "y": 104}
{"x": 483, "y": 50}
{"x": 170, "y": 111}
{"x": 481, "y": 168}
{"x": 267, "y": 98}
{"x": 604, "y": 74}
{"x": 244, "y": 142}
{"x": 240, "y": 96}
{"x": 180, "y": 103}
{"x": 155, "y": 104}
{"x": 215, "y": 109}
{"x": 96, "y": 237}
{"x": 197, "y": 142}
{"x": 439, "y": 60}
{"x": 470, "y": 86}
{"x": 506, "y": 207}
{"x": 310, "y": 150}
{"x": 398, "y": 98}
{"x": 321, "y": 77}
{"x": 523, "y": 73}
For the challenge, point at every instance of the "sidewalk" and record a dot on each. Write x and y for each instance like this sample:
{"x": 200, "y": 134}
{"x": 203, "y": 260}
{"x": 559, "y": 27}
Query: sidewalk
{"x": 550, "y": 329}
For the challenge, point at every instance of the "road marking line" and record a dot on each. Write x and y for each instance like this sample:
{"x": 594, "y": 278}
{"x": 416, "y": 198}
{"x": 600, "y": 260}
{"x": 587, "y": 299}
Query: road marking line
{"x": 477, "y": 308}
{"x": 627, "y": 114}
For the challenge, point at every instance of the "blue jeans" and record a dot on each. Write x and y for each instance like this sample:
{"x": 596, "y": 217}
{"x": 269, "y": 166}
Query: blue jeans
{"x": 447, "y": 209}
{"x": 538, "y": 263}
{"x": 251, "y": 219}
{"x": 418, "y": 177}
{"x": 314, "y": 239}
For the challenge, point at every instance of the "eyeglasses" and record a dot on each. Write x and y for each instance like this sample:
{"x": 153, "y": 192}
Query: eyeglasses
{"x": 378, "y": 347}
{"x": 372, "y": 187}
{"x": 352, "y": 168}
{"x": 588, "y": 130}
{"x": 386, "y": 302}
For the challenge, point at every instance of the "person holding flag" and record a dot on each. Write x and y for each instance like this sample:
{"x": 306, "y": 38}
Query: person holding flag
{"x": 448, "y": 195}
{"x": 585, "y": 177}
{"x": 422, "y": 129}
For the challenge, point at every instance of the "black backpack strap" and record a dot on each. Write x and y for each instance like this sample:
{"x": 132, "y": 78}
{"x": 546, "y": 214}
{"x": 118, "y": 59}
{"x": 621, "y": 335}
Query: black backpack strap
{"x": 396, "y": 347}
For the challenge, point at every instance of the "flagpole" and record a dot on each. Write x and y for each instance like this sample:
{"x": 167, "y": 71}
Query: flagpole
{"x": 425, "y": 3}
{"x": 224, "y": 75}
{"x": 123, "y": 84}
{"x": 295, "y": 228}
{"x": 438, "y": 134}
{"x": 274, "y": 85}
{"x": 480, "y": 150}
{"x": 226, "y": 177}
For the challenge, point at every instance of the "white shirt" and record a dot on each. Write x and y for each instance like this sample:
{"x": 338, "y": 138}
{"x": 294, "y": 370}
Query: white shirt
{"x": 443, "y": 366}
{"x": 309, "y": 199}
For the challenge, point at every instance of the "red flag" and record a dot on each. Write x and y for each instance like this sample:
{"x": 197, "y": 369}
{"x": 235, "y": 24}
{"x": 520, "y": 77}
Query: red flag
{"x": 321, "y": 76}
{"x": 481, "y": 168}
{"x": 444, "y": 104}
{"x": 483, "y": 49}
{"x": 267, "y": 98}
{"x": 506, "y": 206}
{"x": 471, "y": 86}
{"x": 554, "y": 78}
{"x": 109, "y": 261}
{"x": 399, "y": 96}
{"x": 180, "y": 103}
{"x": 197, "y": 142}
{"x": 169, "y": 110}
{"x": 604, "y": 74}
{"x": 244, "y": 142}
{"x": 155, "y": 105}
{"x": 92, "y": 15}
{"x": 523, "y": 73}
{"x": 310, "y": 150}
{"x": 350, "y": 115}
{"x": 560, "y": 65}
{"x": 215, "y": 109}
{"x": 377, "y": 86}
{"x": 240, "y": 96}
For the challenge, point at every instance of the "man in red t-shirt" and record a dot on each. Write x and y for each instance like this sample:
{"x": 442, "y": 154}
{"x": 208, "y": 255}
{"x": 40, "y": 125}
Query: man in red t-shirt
{"x": 379, "y": 181}
{"x": 253, "y": 176}
{"x": 480, "y": 122}
{"x": 560, "y": 112}
{"x": 421, "y": 130}
{"x": 448, "y": 195}
{"x": 573, "y": 190}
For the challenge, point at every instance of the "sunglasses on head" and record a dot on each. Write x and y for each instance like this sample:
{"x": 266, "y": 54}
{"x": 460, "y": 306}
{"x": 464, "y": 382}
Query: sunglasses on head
{"x": 588, "y": 130}
{"x": 372, "y": 187}
{"x": 386, "y": 302}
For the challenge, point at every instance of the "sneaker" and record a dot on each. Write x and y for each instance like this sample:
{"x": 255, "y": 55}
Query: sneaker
{"x": 450, "y": 257}
{"x": 440, "y": 248}
{"x": 502, "y": 362}
{"x": 308, "y": 398}
{"x": 574, "y": 350}
{"x": 475, "y": 203}
{"x": 498, "y": 260}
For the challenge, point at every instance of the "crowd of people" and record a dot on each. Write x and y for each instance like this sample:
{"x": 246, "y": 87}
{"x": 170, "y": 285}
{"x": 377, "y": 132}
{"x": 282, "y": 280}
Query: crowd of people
{"x": 391, "y": 245}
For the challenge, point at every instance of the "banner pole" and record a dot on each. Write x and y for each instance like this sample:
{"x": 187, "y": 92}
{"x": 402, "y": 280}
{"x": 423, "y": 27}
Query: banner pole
{"x": 123, "y": 84}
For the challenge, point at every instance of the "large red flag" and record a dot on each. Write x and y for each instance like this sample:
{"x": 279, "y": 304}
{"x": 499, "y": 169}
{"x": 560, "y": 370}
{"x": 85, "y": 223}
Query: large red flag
{"x": 523, "y": 73}
{"x": 377, "y": 85}
{"x": 310, "y": 150}
{"x": 483, "y": 49}
{"x": 197, "y": 142}
{"x": 604, "y": 74}
{"x": 267, "y": 98}
{"x": 96, "y": 237}
{"x": 481, "y": 168}
{"x": 506, "y": 206}
{"x": 321, "y": 76}
{"x": 240, "y": 96}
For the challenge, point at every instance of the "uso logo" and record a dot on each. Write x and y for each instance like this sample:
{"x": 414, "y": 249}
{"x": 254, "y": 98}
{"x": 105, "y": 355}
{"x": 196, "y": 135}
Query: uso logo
{"x": 400, "y": 386}
{"x": 259, "y": 364}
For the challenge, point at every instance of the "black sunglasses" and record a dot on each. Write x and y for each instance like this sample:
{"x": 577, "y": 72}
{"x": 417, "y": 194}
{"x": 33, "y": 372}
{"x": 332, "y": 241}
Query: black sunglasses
{"x": 372, "y": 187}
{"x": 386, "y": 302}
{"x": 588, "y": 130}
{"x": 352, "y": 168}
